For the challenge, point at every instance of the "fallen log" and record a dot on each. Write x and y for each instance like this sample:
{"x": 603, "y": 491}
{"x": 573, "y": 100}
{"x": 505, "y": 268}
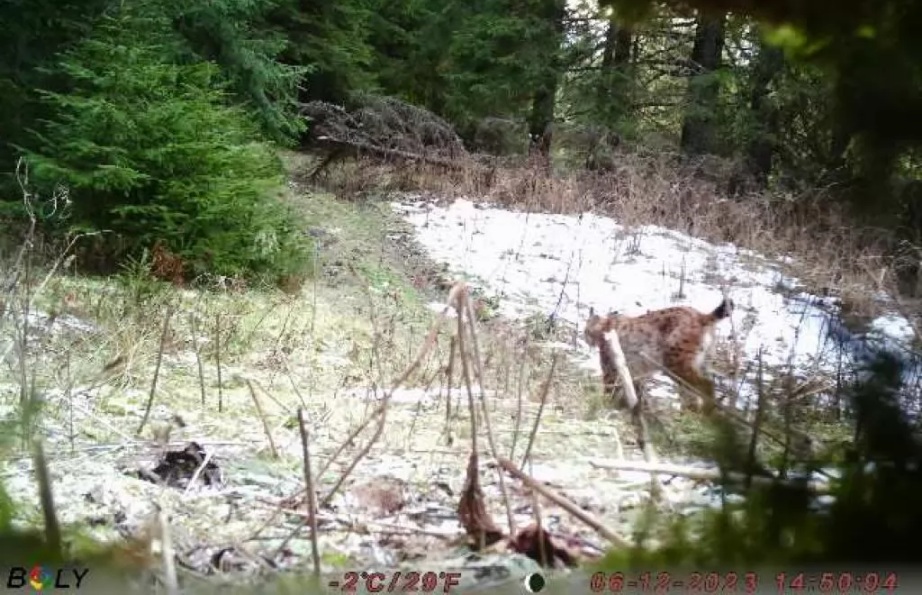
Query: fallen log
{"x": 697, "y": 473}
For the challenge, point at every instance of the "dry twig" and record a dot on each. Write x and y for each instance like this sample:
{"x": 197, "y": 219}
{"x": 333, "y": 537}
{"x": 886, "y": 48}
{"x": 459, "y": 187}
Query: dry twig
{"x": 697, "y": 473}
{"x": 463, "y": 306}
{"x": 167, "y": 553}
{"x": 311, "y": 493}
{"x": 262, "y": 418}
{"x": 588, "y": 519}
{"x": 153, "y": 385}
{"x": 545, "y": 388}
{"x": 46, "y": 496}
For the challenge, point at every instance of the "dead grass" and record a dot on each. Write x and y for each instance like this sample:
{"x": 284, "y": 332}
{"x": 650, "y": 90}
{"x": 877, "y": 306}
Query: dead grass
{"x": 810, "y": 235}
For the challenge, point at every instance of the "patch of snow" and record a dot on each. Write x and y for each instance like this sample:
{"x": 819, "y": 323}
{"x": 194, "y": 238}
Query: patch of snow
{"x": 65, "y": 320}
{"x": 417, "y": 395}
{"x": 538, "y": 263}
{"x": 895, "y": 327}
{"x": 438, "y": 307}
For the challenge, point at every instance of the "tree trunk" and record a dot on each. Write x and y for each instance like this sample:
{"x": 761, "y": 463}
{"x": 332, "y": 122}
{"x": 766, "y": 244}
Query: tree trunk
{"x": 614, "y": 98}
{"x": 623, "y": 42}
{"x": 761, "y": 150}
{"x": 544, "y": 102}
{"x": 699, "y": 133}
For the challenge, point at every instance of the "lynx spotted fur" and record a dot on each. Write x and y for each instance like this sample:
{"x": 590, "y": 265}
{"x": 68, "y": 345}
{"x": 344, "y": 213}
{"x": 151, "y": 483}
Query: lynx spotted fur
{"x": 676, "y": 340}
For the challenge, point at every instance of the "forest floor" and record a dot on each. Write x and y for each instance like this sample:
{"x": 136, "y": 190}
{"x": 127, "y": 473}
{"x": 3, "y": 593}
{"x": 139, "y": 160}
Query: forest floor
{"x": 224, "y": 373}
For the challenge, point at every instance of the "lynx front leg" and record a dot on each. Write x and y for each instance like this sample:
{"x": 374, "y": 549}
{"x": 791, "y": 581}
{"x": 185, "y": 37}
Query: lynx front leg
{"x": 696, "y": 391}
{"x": 640, "y": 389}
{"x": 611, "y": 384}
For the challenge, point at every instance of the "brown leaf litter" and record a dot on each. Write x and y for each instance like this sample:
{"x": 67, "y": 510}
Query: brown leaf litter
{"x": 472, "y": 511}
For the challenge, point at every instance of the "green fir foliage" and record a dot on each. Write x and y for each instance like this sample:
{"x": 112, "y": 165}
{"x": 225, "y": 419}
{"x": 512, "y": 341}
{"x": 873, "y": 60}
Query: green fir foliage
{"x": 237, "y": 36}
{"x": 151, "y": 151}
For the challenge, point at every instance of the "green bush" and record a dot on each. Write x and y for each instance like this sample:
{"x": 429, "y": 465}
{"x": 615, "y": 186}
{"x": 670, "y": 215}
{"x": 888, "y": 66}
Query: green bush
{"x": 152, "y": 152}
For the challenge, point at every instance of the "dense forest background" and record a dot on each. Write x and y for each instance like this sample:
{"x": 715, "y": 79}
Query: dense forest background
{"x": 158, "y": 116}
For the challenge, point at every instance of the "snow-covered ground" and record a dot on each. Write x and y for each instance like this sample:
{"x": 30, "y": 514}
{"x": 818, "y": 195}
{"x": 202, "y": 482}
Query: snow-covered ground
{"x": 563, "y": 264}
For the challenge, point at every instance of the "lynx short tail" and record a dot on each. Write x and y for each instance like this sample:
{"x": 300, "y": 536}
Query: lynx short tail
{"x": 723, "y": 310}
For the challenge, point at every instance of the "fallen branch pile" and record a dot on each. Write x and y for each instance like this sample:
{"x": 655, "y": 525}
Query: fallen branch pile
{"x": 383, "y": 127}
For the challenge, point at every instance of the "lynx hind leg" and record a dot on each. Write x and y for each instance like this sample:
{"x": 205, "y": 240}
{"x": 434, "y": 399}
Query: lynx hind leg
{"x": 690, "y": 400}
{"x": 708, "y": 394}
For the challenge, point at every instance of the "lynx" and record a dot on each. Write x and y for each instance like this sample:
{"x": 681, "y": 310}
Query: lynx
{"x": 676, "y": 340}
